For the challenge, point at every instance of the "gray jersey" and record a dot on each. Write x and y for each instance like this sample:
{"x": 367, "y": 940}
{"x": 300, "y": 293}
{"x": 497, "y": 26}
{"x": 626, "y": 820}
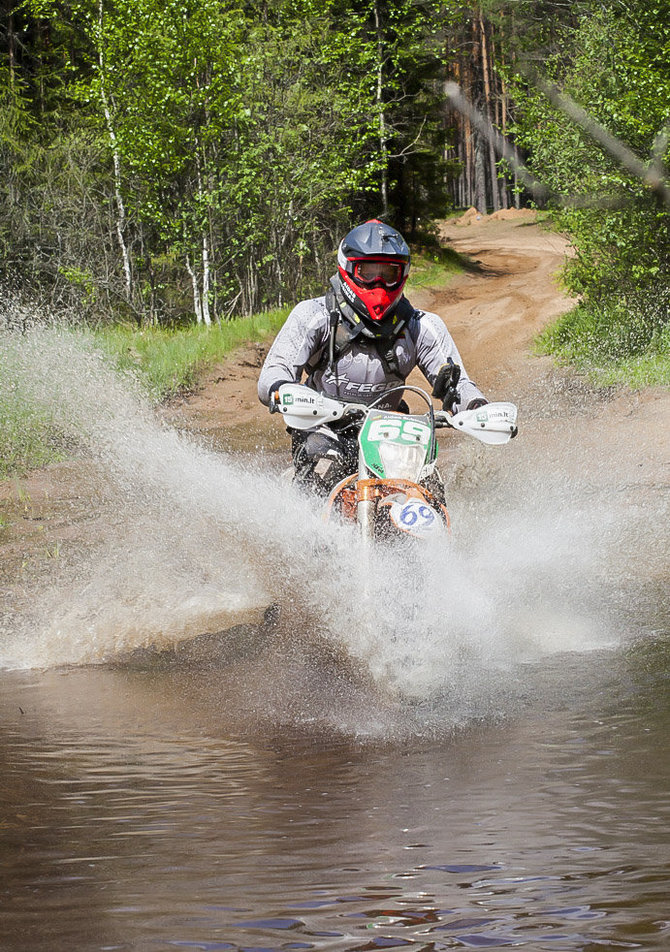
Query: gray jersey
{"x": 359, "y": 375}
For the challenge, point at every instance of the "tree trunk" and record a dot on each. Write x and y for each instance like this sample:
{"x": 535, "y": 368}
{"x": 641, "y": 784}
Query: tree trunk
{"x": 116, "y": 160}
{"x": 501, "y": 123}
{"x": 205, "y": 281}
{"x": 493, "y": 174}
{"x": 11, "y": 44}
{"x": 468, "y": 139}
{"x": 383, "y": 148}
{"x": 480, "y": 175}
{"x": 197, "y": 304}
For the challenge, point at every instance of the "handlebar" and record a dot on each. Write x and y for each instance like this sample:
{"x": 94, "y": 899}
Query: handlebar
{"x": 442, "y": 419}
{"x": 304, "y": 408}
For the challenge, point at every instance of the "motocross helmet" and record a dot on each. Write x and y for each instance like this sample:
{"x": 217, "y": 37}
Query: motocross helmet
{"x": 373, "y": 262}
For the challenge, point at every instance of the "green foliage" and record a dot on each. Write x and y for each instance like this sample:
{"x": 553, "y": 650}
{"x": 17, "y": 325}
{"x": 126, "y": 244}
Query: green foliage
{"x": 398, "y": 50}
{"x": 162, "y": 160}
{"x": 613, "y": 344}
{"x": 56, "y": 234}
{"x": 615, "y": 64}
{"x": 166, "y": 154}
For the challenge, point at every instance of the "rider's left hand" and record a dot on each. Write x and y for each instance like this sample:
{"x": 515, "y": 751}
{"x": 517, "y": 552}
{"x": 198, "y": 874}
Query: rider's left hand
{"x": 274, "y": 395}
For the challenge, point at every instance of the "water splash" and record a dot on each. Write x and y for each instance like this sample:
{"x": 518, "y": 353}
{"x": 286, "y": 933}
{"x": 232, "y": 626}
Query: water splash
{"x": 200, "y": 540}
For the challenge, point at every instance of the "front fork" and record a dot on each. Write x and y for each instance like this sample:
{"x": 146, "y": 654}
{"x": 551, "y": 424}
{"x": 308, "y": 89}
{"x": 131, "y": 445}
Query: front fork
{"x": 365, "y": 510}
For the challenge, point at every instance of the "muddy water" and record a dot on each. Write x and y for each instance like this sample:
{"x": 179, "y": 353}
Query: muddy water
{"x": 470, "y": 750}
{"x": 171, "y": 809}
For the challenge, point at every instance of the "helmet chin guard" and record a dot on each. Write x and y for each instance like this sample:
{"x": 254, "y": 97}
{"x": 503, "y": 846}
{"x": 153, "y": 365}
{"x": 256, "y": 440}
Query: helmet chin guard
{"x": 373, "y": 297}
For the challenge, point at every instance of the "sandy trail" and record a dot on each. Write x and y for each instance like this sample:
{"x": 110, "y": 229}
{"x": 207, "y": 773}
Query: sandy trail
{"x": 493, "y": 314}
{"x": 621, "y": 437}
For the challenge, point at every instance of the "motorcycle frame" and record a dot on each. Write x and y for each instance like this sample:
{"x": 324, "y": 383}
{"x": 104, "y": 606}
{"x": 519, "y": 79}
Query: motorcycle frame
{"x": 361, "y": 495}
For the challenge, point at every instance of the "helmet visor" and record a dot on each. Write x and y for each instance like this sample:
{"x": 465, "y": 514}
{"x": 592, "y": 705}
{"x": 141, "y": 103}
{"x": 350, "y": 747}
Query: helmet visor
{"x": 369, "y": 273}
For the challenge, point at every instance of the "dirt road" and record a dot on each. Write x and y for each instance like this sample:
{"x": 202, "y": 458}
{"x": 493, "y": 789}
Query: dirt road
{"x": 493, "y": 314}
{"x": 622, "y": 438}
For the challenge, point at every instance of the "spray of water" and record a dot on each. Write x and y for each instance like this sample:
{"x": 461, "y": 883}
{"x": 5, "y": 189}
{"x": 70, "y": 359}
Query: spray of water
{"x": 193, "y": 532}
{"x": 199, "y": 541}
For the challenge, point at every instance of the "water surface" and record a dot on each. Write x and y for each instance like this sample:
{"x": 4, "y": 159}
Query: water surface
{"x": 159, "y": 810}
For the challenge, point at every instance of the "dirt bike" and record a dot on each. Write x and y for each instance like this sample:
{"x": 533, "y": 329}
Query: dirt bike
{"x": 396, "y": 492}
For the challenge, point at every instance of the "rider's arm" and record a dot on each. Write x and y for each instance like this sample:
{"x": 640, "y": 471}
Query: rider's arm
{"x": 303, "y": 335}
{"x": 434, "y": 348}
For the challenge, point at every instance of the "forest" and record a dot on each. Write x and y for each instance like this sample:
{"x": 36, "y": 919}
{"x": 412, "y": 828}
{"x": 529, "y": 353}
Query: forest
{"x": 178, "y": 161}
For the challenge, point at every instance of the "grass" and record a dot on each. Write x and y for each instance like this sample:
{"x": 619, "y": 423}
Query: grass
{"x": 652, "y": 370}
{"x": 612, "y": 345}
{"x": 165, "y": 360}
{"x": 434, "y": 267}
{"x": 168, "y": 360}
{"x": 28, "y": 436}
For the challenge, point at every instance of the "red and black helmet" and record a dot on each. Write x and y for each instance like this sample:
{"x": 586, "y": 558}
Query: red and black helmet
{"x": 373, "y": 261}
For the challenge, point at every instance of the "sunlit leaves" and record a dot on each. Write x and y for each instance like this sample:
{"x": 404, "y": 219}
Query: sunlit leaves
{"x": 615, "y": 64}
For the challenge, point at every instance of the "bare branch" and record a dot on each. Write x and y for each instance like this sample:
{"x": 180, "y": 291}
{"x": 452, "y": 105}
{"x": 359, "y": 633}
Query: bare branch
{"x": 410, "y": 145}
{"x": 651, "y": 175}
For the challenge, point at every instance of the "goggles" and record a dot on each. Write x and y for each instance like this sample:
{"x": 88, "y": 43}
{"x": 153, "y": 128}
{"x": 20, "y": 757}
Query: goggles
{"x": 387, "y": 273}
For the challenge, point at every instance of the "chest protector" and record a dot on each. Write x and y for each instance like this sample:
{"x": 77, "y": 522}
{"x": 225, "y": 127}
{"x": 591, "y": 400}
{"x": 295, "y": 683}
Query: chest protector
{"x": 346, "y": 328}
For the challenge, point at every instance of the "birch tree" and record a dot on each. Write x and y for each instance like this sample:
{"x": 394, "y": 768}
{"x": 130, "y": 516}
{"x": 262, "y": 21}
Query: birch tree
{"x": 98, "y": 33}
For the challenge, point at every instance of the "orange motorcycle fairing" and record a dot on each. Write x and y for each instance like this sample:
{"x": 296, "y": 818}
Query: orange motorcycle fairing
{"x": 345, "y": 496}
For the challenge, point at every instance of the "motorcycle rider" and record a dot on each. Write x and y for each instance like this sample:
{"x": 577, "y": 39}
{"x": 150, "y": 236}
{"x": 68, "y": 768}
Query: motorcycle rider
{"x": 359, "y": 340}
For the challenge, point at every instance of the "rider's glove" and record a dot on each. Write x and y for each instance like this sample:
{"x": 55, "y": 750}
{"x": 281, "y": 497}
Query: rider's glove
{"x": 274, "y": 395}
{"x": 445, "y": 384}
